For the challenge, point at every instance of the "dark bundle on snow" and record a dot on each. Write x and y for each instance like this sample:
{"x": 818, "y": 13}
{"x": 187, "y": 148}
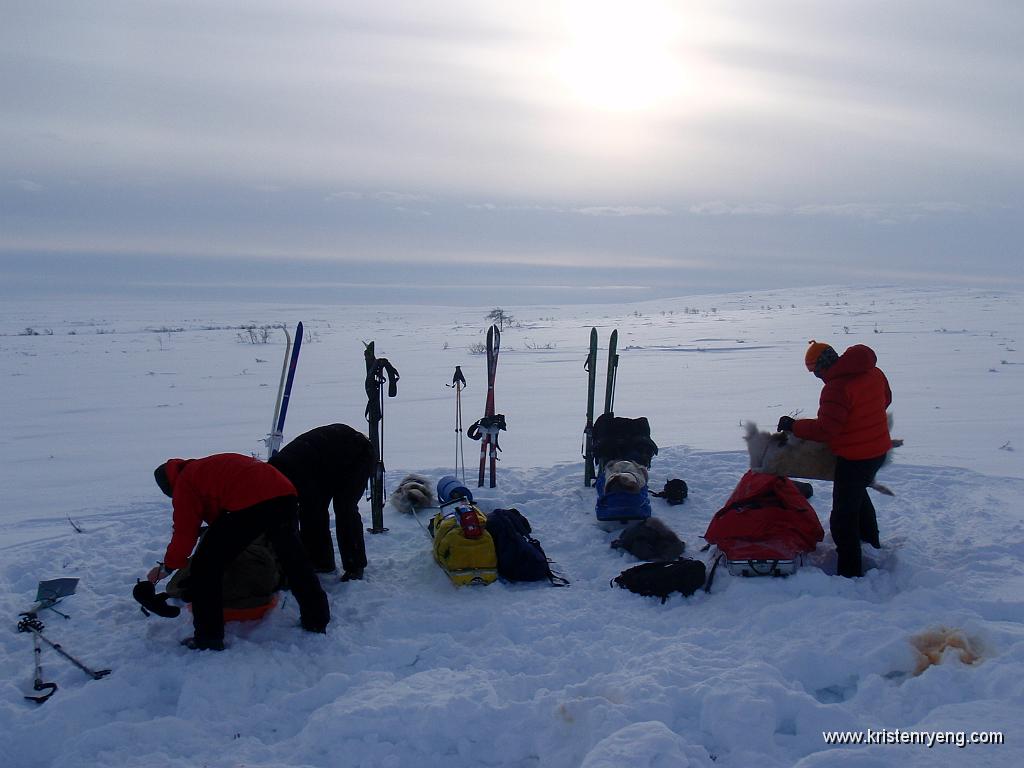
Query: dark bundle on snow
{"x": 674, "y": 492}
{"x": 650, "y": 539}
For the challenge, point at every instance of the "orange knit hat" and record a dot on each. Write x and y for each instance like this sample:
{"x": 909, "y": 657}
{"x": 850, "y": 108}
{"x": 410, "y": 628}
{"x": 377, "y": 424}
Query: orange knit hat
{"x": 814, "y": 350}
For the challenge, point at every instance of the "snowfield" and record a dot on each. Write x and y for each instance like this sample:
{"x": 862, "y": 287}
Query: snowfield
{"x": 414, "y": 672}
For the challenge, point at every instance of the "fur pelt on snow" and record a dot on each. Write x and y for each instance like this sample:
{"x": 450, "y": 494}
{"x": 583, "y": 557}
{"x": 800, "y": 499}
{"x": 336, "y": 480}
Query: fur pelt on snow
{"x": 787, "y": 455}
{"x": 412, "y": 493}
{"x": 933, "y": 644}
{"x": 650, "y": 539}
{"x": 628, "y": 476}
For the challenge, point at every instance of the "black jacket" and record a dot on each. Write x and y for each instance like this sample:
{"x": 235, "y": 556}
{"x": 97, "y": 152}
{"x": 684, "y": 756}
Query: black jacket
{"x": 329, "y": 462}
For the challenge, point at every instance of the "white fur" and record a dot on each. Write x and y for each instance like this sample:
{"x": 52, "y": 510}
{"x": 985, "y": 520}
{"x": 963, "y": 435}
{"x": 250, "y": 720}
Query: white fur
{"x": 411, "y": 494}
{"x": 624, "y": 476}
{"x": 787, "y": 455}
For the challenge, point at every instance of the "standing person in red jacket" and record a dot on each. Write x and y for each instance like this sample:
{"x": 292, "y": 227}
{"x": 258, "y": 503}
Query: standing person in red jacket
{"x": 240, "y": 498}
{"x": 852, "y": 420}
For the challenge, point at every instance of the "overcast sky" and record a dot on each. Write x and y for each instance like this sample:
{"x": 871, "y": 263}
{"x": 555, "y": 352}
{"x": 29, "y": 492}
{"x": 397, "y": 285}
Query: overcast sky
{"x": 563, "y": 147}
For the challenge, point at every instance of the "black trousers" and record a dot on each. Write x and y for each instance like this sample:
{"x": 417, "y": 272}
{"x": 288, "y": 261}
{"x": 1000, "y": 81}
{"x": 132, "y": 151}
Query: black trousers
{"x": 315, "y": 531}
{"x": 227, "y": 537}
{"x": 853, "y": 517}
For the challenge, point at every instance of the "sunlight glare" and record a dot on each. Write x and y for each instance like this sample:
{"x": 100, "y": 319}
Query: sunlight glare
{"x": 620, "y": 54}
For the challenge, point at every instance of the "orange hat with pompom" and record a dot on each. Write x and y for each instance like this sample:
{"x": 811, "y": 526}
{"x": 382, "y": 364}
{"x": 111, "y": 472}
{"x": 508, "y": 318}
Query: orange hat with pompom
{"x": 819, "y": 355}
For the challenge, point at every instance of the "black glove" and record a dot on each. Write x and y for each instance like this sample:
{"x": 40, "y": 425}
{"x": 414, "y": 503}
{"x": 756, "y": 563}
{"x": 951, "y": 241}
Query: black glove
{"x": 146, "y": 596}
{"x": 786, "y": 424}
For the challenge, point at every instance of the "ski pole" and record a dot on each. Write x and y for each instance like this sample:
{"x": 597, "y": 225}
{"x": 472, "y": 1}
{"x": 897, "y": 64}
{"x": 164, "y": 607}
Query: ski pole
{"x": 459, "y": 382}
{"x": 37, "y": 683}
{"x": 31, "y": 623}
{"x": 458, "y": 429}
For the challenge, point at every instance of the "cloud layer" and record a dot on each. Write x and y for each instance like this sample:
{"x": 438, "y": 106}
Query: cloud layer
{"x": 848, "y": 135}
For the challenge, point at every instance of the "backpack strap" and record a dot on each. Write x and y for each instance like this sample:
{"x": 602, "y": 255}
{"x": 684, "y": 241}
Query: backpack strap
{"x": 714, "y": 567}
{"x": 557, "y": 579}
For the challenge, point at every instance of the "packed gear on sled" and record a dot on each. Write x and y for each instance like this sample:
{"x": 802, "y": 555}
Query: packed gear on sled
{"x": 765, "y": 527}
{"x": 620, "y": 505}
{"x": 623, "y": 449}
{"x": 462, "y": 546}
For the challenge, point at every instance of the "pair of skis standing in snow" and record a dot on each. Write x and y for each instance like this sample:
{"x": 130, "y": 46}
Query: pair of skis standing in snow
{"x": 609, "y": 398}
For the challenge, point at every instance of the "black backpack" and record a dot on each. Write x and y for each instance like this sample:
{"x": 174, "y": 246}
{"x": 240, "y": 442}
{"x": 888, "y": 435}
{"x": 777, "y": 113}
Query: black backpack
{"x": 520, "y": 556}
{"x": 662, "y": 579}
{"x": 674, "y": 492}
{"x": 617, "y": 438}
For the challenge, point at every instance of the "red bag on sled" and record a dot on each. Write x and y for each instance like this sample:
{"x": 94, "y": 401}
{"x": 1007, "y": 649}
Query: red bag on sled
{"x": 765, "y": 527}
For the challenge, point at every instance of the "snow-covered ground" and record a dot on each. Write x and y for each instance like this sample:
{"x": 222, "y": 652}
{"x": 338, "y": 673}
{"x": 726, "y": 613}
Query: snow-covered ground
{"x": 416, "y": 672}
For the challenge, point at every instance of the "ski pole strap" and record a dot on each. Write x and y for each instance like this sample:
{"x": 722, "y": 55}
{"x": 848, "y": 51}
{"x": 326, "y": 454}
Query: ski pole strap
{"x": 381, "y": 371}
{"x": 392, "y": 375}
{"x": 458, "y": 377}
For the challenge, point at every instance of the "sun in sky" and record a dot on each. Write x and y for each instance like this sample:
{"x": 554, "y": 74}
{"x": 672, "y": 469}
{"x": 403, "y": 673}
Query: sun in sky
{"x": 623, "y": 55}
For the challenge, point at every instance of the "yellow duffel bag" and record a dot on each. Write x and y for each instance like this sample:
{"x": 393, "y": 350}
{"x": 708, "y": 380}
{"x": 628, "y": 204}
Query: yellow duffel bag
{"x": 465, "y": 560}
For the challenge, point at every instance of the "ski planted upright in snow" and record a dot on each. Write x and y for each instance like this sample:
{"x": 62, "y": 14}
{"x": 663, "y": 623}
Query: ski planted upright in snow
{"x": 613, "y": 367}
{"x": 284, "y": 390}
{"x": 377, "y": 371}
{"x": 588, "y": 431}
{"x": 486, "y": 429}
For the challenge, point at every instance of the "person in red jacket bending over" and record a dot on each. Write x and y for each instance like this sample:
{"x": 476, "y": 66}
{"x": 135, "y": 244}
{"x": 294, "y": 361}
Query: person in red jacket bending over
{"x": 853, "y": 422}
{"x": 240, "y": 498}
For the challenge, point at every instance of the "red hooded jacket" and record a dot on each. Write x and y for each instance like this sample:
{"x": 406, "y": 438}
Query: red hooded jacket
{"x": 205, "y": 488}
{"x": 851, "y": 410}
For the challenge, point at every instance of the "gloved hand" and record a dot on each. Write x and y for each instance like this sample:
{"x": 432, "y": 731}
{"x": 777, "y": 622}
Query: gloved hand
{"x": 158, "y": 573}
{"x": 786, "y": 424}
{"x": 353, "y": 575}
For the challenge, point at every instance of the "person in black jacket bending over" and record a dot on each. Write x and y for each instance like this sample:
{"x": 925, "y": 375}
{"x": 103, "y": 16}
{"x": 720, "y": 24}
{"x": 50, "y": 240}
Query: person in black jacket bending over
{"x": 328, "y": 463}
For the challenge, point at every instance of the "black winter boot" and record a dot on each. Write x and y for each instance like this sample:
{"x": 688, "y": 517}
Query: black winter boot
{"x": 196, "y": 644}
